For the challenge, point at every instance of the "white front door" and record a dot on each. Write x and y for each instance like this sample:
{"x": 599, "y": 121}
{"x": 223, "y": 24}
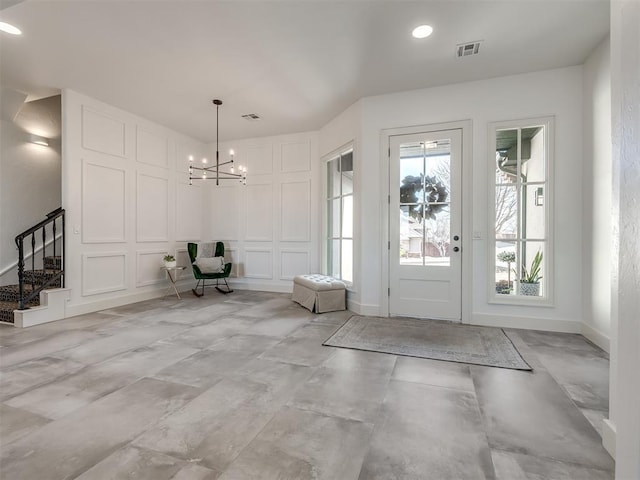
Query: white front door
{"x": 425, "y": 244}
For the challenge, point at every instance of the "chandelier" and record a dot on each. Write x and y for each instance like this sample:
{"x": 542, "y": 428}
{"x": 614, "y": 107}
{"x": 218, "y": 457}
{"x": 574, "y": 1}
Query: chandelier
{"x": 214, "y": 172}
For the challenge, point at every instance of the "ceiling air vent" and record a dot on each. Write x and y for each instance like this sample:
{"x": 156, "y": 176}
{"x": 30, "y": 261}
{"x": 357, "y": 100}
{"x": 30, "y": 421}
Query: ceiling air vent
{"x": 467, "y": 49}
{"x": 252, "y": 117}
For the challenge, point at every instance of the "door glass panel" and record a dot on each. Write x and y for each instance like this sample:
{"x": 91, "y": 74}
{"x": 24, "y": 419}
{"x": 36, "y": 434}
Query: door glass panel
{"x": 334, "y": 249}
{"x": 505, "y": 275}
{"x": 506, "y": 208}
{"x": 347, "y": 260}
{"x": 333, "y": 178}
{"x": 411, "y": 235}
{"x": 437, "y": 236}
{"x": 506, "y": 156}
{"x": 533, "y": 212}
{"x": 334, "y": 208}
{"x": 346, "y": 168}
{"x": 425, "y": 188}
{"x": 533, "y": 154}
{"x": 347, "y": 216}
{"x": 532, "y": 274}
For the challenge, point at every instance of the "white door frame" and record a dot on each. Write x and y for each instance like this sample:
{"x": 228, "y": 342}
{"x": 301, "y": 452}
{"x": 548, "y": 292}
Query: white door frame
{"x": 467, "y": 202}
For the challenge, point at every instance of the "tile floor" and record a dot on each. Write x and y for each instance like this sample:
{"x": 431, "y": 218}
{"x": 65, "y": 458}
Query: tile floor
{"x": 240, "y": 387}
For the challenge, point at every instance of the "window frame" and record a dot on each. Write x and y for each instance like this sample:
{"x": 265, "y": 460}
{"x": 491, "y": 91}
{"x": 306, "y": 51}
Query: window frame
{"x": 326, "y": 218}
{"x": 547, "y": 297}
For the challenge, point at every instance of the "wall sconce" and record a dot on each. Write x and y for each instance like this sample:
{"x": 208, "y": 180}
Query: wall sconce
{"x": 539, "y": 197}
{"x": 38, "y": 140}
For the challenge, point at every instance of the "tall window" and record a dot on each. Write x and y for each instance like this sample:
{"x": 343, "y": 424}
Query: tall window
{"x": 339, "y": 206}
{"x": 520, "y": 245}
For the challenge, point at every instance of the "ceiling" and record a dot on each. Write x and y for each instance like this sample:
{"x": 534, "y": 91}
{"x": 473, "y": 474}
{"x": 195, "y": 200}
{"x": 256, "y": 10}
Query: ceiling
{"x": 297, "y": 64}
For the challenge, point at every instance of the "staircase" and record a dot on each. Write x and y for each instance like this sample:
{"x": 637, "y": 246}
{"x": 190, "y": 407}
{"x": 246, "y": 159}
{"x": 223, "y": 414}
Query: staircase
{"x": 37, "y": 284}
{"x": 33, "y": 280}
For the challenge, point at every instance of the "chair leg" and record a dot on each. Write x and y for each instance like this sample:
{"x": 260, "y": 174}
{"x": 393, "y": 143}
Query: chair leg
{"x": 228, "y": 290}
{"x": 195, "y": 290}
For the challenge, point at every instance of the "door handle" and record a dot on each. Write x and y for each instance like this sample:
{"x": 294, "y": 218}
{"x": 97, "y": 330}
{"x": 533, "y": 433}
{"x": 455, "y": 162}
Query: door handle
{"x": 456, "y": 249}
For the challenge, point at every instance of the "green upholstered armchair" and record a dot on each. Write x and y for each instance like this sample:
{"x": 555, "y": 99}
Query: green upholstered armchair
{"x": 192, "y": 248}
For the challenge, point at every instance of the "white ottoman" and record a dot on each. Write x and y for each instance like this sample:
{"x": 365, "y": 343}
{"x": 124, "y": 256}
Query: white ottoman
{"x": 324, "y": 293}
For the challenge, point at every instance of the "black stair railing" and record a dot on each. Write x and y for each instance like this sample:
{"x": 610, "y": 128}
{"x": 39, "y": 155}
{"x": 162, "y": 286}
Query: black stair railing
{"x": 56, "y": 276}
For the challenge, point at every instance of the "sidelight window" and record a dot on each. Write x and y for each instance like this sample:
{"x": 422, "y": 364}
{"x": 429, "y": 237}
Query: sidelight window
{"x": 520, "y": 240}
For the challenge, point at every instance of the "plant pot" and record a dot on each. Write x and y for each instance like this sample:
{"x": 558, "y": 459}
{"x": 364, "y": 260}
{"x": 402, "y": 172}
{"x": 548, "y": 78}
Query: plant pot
{"x": 531, "y": 289}
{"x": 170, "y": 264}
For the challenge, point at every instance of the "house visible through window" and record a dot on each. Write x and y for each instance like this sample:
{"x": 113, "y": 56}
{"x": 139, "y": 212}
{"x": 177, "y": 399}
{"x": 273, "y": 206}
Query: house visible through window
{"x": 339, "y": 207}
{"x": 520, "y": 244}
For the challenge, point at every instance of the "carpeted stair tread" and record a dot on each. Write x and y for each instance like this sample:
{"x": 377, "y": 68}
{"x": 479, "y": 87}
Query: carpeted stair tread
{"x": 11, "y": 293}
{"x": 38, "y": 277}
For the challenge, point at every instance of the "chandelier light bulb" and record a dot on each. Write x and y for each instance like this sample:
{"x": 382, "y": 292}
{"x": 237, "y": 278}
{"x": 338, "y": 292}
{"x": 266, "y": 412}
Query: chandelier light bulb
{"x": 190, "y": 158}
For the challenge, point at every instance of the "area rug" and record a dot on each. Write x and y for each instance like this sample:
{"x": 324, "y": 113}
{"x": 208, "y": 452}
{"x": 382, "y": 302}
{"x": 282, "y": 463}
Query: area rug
{"x": 435, "y": 339}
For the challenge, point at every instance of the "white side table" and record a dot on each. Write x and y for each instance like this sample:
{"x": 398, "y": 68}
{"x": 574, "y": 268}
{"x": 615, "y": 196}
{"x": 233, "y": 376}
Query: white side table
{"x": 173, "y": 273}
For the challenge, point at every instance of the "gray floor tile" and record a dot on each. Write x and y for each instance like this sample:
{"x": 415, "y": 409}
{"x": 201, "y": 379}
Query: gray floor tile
{"x": 208, "y": 335}
{"x": 355, "y": 394}
{"x": 513, "y": 466}
{"x": 530, "y": 413}
{"x": 299, "y": 351}
{"x": 16, "y": 423}
{"x": 434, "y": 372}
{"x": 55, "y": 400}
{"x": 584, "y": 375}
{"x": 256, "y": 353}
{"x": 139, "y": 464}
{"x": 300, "y": 445}
{"x": 428, "y": 432}
{"x": 281, "y": 326}
{"x": 205, "y": 368}
{"x": 27, "y": 375}
{"x": 217, "y": 425}
{"x": 100, "y": 349}
{"x": 250, "y": 344}
{"x": 44, "y": 347}
{"x": 69, "y": 446}
{"x": 349, "y": 359}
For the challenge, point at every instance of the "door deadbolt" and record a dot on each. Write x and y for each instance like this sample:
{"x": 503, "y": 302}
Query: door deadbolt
{"x": 456, "y": 249}
{"x": 456, "y": 238}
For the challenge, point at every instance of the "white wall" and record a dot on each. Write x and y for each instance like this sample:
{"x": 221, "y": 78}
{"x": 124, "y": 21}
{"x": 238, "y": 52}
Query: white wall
{"x": 554, "y": 92}
{"x": 270, "y": 226}
{"x": 30, "y": 174}
{"x": 597, "y": 196}
{"x": 128, "y": 202}
{"x": 128, "y": 199}
{"x": 621, "y": 433}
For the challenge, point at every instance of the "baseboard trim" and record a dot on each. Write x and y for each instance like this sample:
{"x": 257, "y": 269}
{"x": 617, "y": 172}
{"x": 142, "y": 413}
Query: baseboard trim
{"x": 609, "y": 437}
{"x": 596, "y": 337}
{"x": 362, "y": 309}
{"x": 527, "y": 323}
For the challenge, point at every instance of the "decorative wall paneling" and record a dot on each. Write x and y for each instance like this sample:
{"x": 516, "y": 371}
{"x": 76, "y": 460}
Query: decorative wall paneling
{"x": 103, "y": 272}
{"x": 293, "y": 262}
{"x": 151, "y": 148}
{"x": 258, "y": 263}
{"x": 102, "y": 133}
{"x": 103, "y": 198}
{"x": 271, "y": 224}
{"x": 148, "y": 271}
{"x": 124, "y": 185}
{"x": 152, "y": 213}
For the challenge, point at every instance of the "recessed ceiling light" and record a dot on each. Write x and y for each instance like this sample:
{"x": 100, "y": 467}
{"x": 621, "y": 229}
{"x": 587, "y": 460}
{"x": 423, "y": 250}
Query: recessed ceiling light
{"x": 8, "y": 28}
{"x": 422, "y": 31}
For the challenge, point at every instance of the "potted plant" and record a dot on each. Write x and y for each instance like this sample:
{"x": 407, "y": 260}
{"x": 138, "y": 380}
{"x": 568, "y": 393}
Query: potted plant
{"x": 508, "y": 258}
{"x": 530, "y": 279}
{"x": 169, "y": 261}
